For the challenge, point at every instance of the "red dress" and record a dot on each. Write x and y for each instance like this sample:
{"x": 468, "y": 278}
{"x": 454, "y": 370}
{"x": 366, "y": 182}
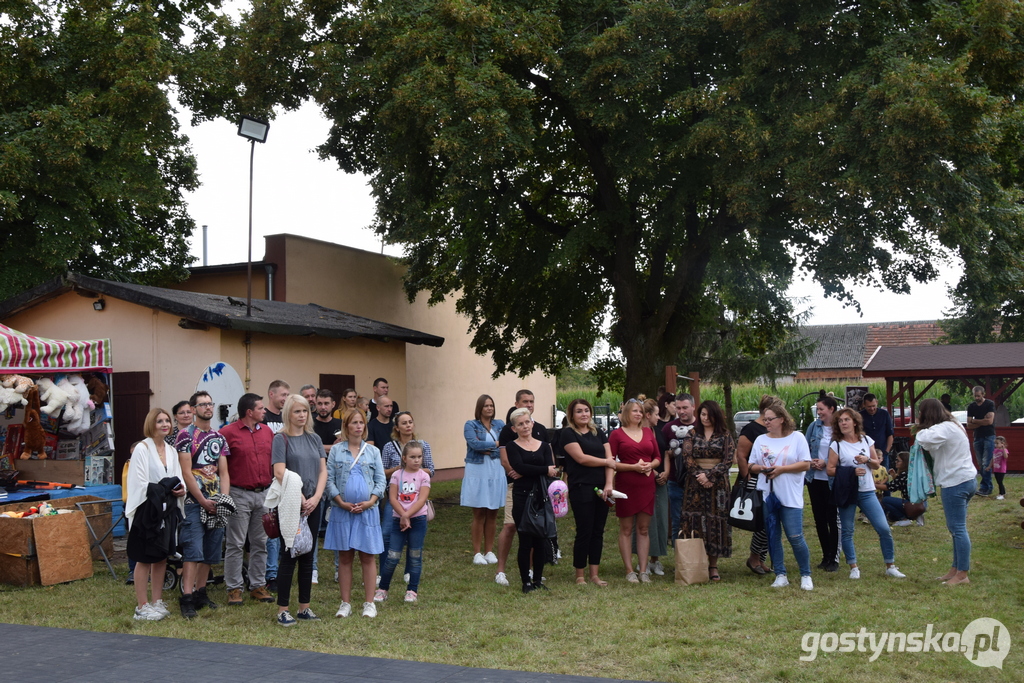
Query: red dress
{"x": 639, "y": 487}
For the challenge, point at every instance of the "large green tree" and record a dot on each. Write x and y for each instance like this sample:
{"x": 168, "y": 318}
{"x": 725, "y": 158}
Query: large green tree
{"x": 93, "y": 167}
{"x": 544, "y": 160}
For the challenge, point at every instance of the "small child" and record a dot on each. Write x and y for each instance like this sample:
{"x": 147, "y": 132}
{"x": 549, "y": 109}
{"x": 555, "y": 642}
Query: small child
{"x": 999, "y": 457}
{"x": 363, "y": 404}
{"x": 408, "y": 492}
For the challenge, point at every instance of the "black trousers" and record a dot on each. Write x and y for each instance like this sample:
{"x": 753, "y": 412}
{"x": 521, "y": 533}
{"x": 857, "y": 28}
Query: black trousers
{"x": 286, "y": 567}
{"x": 527, "y": 543}
{"x": 826, "y": 519}
{"x": 591, "y": 515}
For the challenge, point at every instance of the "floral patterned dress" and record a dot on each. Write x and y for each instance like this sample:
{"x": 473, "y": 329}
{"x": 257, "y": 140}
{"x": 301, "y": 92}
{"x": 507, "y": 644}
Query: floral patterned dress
{"x": 705, "y": 512}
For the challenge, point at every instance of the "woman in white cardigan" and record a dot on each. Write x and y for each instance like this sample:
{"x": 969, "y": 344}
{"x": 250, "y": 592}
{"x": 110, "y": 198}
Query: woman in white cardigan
{"x": 152, "y": 461}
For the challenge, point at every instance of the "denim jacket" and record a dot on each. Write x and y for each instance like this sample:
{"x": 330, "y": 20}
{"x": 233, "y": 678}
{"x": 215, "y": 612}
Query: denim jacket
{"x": 477, "y": 442}
{"x": 339, "y": 464}
{"x": 814, "y": 434}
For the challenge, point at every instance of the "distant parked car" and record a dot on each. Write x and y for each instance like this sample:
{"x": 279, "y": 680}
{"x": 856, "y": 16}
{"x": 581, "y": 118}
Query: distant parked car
{"x": 743, "y": 418}
{"x": 961, "y": 416}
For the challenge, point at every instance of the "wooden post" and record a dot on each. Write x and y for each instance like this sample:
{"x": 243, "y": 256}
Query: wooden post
{"x": 695, "y": 387}
{"x": 670, "y": 379}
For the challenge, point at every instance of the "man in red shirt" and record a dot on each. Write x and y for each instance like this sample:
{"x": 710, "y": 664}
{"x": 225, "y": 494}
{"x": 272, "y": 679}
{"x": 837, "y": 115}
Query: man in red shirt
{"x": 250, "y": 444}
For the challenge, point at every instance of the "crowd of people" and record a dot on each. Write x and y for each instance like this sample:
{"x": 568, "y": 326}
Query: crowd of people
{"x": 267, "y": 482}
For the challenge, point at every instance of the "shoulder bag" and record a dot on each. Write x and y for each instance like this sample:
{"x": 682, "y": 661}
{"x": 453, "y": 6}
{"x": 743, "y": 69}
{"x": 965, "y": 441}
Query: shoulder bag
{"x": 746, "y": 507}
{"x": 271, "y": 522}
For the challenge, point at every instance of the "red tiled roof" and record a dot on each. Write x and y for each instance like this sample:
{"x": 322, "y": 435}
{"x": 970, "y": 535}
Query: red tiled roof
{"x": 916, "y": 333}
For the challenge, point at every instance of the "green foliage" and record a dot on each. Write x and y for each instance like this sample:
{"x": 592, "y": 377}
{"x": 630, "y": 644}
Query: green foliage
{"x": 92, "y": 165}
{"x": 574, "y": 377}
{"x": 543, "y": 162}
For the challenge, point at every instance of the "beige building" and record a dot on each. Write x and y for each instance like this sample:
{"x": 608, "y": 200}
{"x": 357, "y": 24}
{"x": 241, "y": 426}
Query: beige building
{"x": 325, "y": 314}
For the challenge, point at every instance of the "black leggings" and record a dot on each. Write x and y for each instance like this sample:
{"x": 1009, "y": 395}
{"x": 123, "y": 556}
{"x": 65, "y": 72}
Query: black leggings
{"x": 999, "y": 480}
{"x": 527, "y": 543}
{"x": 826, "y": 519}
{"x": 591, "y": 514}
{"x": 286, "y": 566}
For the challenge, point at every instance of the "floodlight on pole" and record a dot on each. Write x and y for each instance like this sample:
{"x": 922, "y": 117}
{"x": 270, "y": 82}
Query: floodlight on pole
{"x": 254, "y": 130}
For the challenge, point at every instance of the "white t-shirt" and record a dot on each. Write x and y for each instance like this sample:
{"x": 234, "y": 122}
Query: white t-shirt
{"x": 822, "y": 454}
{"x": 848, "y": 451}
{"x": 950, "y": 448}
{"x": 786, "y": 450}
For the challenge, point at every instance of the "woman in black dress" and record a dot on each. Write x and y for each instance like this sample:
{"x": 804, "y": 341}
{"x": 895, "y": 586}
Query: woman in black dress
{"x": 590, "y": 467}
{"x": 532, "y": 460}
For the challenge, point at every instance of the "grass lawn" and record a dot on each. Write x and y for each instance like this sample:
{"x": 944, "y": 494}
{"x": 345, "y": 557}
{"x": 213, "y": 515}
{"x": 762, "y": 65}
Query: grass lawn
{"x": 738, "y": 630}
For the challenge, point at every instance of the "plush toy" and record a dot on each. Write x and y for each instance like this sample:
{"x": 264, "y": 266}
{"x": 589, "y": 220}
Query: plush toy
{"x": 72, "y": 413}
{"x": 35, "y": 437}
{"x": 55, "y": 397}
{"x": 97, "y": 390}
{"x": 9, "y": 397}
{"x": 83, "y": 418}
{"x": 19, "y": 383}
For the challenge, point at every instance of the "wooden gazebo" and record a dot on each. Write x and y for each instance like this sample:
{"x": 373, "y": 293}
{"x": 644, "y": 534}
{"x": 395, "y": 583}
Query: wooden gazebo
{"x": 997, "y": 367}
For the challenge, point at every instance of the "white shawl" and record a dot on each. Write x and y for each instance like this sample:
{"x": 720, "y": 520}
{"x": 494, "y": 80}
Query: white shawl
{"x": 145, "y": 469}
{"x": 286, "y": 496}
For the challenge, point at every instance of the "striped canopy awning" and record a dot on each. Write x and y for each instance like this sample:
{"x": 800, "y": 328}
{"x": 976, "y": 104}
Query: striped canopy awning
{"x": 20, "y": 352}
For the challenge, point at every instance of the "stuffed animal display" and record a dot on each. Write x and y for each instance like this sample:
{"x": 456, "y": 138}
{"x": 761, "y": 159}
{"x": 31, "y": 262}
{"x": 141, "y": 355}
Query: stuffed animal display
{"x": 19, "y": 383}
{"x": 97, "y": 390}
{"x": 10, "y": 397}
{"x": 83, "y": 406}
{"x": 52, "y": 395}
{"x": 35, "y": 437}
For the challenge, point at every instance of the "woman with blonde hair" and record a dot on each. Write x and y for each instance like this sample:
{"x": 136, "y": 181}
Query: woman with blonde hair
{"x": 779, "y": 458}
{"x": 636, "y": 450}
{"x": 298, "y": 450}
{"x": 590, "y": 466}
{"x": 355, "y": 484}
{"x": 154, "y": 479}
{"x": 851, "y": 447}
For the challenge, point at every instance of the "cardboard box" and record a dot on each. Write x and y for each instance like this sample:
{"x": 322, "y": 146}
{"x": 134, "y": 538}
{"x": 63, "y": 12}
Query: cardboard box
{"x": 67, "y": 449}
{"x": 63, "y": 471}
{"x": 99, "y": 440}
{"x": 99, "y": 470}
{"x": 45, "y": 550}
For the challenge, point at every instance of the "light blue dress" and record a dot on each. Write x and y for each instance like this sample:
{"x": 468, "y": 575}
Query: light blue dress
{"x": 355, "y": 531}
{"x": 484, "y": 484}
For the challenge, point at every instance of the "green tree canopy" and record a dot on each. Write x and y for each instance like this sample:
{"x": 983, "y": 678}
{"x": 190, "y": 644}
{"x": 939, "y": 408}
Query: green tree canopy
{"x": 92, "y": 165}
{"x": 544, "y": 160}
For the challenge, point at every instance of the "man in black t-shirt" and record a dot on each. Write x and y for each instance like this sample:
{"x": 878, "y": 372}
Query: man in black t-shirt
{"x": 380, "y": 390}
{"x": 980, "y": 416}
{"x": 326, "y": 426}
{"x": 524, "y": 399}
{"x": 379, "y": 428}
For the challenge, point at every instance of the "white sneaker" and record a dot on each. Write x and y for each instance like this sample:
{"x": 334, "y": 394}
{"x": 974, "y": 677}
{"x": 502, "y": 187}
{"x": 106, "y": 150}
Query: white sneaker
{"x": 410, "y": 596}
{"x": 146, "y": 613}
{"x": 344, "y": 611}
{"x": 895, "y": 572}
{"x": 335, "y": 576}
{"x": 558, "y": 554}
{"x": 316, "y": 576}
{"x": 855, "y": 573}
{"x": 501, "y": 579}
{"x": 160, "y": 607}
{"x": 657, "y": 569}
{"x": 780, "y": 581}
{"x": 903, "y": 522}
{"x": 920, "y": 520}
{"x": 479, "y": 559}
{"x": 369, "y": 610}
{"x": 1000, "y": 497}
{"x": 806, "y": 583}
{"x": 491, "y": 558}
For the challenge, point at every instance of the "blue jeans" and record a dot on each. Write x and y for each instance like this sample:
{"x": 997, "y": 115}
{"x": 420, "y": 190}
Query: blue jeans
{"x": 273, "y": 551}
{"x": 199, "y": 544}
{"x": 983, "y": 448}
{"x": 675, "y": 506}
{"x": 412, "y": 538}
{"x": 872, "y": 509}
{"x": 793, "y": 521}
{"x": 954, "y": 504}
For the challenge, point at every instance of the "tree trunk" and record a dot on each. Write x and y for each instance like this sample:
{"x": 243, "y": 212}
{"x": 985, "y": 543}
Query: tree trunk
{"x": 727, "y": 395}
{"x": 646, "y": 357}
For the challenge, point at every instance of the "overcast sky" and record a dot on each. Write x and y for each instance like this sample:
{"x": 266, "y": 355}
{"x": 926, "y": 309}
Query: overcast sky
{"x": 296, "y": 192}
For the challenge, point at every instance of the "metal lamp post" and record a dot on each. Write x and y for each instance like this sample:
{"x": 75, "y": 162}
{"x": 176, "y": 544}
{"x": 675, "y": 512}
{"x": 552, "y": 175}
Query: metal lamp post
{"x": 254, "y": 130}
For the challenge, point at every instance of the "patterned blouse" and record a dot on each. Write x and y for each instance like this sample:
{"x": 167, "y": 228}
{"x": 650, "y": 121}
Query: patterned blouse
{"x": 720, "y": 447}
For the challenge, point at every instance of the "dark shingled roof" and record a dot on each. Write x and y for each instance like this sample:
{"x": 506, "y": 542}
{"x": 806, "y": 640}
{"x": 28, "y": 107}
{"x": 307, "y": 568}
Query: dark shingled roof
{"x": 947, "y": 360}
{"x": 838, "y": 346}
{"x": 226, "y": 312}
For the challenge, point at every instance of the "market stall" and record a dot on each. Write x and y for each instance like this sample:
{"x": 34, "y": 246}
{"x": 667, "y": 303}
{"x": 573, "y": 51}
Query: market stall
{"x": 56, "y": 440}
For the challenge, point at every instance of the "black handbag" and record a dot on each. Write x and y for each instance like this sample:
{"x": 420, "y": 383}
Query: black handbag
{"x": 538, "y": 515}
{"x": 746, "y": 507}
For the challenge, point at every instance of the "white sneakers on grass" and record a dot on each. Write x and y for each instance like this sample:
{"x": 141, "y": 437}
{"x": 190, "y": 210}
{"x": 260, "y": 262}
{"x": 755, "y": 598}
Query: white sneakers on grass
{"x": 491, "y": 558}
{"x": 855, "y": 573}
{"x": 895, "y": 572}
{"x": 657, "y": 569}
{"x": 501, "y": 579}
{"x": 147, "y": 613}
{"x": 904, "y": 522}
{"x": 806, "y": 583}
{"x": 369, "y": 610}
{"x": 344, "y": 611}
{"x": 780, "y": 581}
{"x": 479, "y": 559}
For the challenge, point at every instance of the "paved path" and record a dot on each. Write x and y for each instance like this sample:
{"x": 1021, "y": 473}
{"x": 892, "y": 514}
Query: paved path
{"x": 37, "y": 653}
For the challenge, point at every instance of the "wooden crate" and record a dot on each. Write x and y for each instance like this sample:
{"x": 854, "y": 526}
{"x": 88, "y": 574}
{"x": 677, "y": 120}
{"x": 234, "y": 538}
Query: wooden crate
{"x": 44, "y": 550}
